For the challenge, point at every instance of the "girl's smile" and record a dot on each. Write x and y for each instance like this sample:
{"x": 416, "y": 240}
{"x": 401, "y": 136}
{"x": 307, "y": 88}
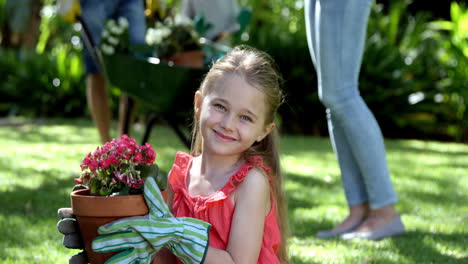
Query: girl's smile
{"x": 223, "y": 137}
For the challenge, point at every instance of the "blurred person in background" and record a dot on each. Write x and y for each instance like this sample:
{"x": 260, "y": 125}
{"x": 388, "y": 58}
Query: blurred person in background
{"x": 336, "y": 32}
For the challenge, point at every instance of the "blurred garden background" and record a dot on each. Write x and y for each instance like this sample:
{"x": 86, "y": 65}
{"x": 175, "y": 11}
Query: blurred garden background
{"x": 414, "y": 78}
{"x": 414, "y": 74}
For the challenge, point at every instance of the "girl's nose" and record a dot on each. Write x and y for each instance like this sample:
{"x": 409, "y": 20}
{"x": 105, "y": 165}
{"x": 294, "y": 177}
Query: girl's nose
{"x": 228, "y": 122}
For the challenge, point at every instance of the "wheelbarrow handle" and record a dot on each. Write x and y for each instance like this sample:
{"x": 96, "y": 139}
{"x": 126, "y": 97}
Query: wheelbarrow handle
{"x": 89, "y": 43}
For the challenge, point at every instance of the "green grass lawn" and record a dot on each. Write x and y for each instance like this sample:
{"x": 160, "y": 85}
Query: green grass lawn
{"x": 38, "y": 162}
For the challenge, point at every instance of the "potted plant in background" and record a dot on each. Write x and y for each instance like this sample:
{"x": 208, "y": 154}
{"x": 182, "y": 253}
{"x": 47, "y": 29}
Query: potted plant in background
{"x": 114, "y": 175}
{"x": 175, "y": 39}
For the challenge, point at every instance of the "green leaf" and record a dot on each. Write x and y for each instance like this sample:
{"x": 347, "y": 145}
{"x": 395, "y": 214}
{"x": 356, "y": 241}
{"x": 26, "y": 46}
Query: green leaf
{"x": 201, "y": 24}
{"x": 161, "y": 181}
{"x": 153, "y": 171}
{"x": 148, "y": 170}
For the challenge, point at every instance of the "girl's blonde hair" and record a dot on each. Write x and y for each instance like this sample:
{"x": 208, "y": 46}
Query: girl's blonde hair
{"x": 258, "y": 70}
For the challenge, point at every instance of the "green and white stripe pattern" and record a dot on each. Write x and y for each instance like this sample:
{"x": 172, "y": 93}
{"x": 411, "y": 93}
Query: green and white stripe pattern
{"x": 141, "y": 237}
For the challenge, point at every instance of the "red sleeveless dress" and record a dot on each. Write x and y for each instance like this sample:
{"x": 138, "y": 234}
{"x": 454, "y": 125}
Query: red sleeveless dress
{"x": 218, "y": 209}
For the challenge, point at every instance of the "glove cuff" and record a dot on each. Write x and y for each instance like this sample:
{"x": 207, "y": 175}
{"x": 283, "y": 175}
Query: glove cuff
{"x": 207, "y": 244}
{"x": 191, "y": 246}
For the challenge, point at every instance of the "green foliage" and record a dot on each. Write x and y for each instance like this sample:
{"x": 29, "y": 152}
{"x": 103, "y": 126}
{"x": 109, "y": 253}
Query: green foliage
{"x": 404, "y": 72}
{"x": 41, "y": 84}
{"x": 47, "y": 81}
{"x": 407, "y": 58}
{"x": 39, "y": 162}
{"x": 2, "y": 12}
{"x": 452, "y": 37}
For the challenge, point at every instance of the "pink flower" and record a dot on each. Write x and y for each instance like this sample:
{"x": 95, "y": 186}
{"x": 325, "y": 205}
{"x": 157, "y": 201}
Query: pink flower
{"x": 112, "y": 159}
{"x": 93, "y": 165}
{"x": 114, "y": 162}
{"x": 136, "y": 183}
{"x": 138, "y": 157}
{"x": 86, "y": 176}
{"x": 78, "y": 181}
{"x": 121, "y": 177}
{"x": 105, "y": 163}
{"x": 148, "y": 153}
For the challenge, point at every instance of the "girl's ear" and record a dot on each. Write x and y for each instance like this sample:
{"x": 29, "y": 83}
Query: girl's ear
{"x": 197, "y": 103}
{"x": 266, "y": 131}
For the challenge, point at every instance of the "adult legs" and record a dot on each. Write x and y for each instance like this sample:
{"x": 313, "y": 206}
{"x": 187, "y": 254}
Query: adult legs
{"x": 96, "y": 95}
{"x": 336, "y": 32}
{"x": 95, "y": 14}
{"x": 133, "y": 11}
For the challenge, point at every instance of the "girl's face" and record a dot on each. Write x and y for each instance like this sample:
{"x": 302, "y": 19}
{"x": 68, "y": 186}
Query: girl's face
{"x": 232, "y": 117}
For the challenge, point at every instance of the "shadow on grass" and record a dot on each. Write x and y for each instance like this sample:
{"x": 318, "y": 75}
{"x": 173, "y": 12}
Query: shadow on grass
{"x": 23, "y": 208}
{"x": 297, "y": 200}
{"x": 449, "y": 194}
{"x": 414, "y": 247}
{"x": 417, "y": 248}
{"x": 307, "y": 198}
{"x": 307, "y": 229}
{"x": 402, "y": 146}
{"x": 39, "y": 203}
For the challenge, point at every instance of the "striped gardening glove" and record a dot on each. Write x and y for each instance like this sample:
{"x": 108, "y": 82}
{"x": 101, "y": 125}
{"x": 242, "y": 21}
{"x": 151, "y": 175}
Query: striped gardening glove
{"x": 141, "y": 237}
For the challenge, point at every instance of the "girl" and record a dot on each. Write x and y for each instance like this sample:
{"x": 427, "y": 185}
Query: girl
{"x": 231, "y": 180}
{"x": 232, "y": 177}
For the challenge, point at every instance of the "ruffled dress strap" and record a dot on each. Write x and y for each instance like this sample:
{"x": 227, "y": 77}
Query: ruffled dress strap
{"x": 179, "y": 170}
{"x": 239, "y": 176}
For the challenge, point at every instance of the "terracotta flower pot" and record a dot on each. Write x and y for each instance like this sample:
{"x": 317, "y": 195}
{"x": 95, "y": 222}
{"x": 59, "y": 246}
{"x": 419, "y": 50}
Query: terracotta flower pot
{"x": 94, "y": 211}
{"x": 192, "y": 58}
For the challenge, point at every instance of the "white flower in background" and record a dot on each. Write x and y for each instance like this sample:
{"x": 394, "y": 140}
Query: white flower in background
{"x": 156, "y": 36}
{"x": 112, "y": 35}
{"x": 160, "y": 25}
{"x": 116, "y": 30}
{"x": 123, "y": 22}
{"x": 165, "y": 32}
{"x": 107, "y": 49}
{"x": 149, "y": 38}
{"x": 113, "y": 41}
{"x": 111, "y": 50}
{"x": 182, "y": 20}
{"x": 105, "y": 34}
{"x": 111, "y": 23}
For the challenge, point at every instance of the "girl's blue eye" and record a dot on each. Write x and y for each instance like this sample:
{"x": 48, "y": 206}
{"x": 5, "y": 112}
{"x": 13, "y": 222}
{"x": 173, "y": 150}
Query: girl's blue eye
{"x": 246, "y": 118}
{"x": 220, "y": 106}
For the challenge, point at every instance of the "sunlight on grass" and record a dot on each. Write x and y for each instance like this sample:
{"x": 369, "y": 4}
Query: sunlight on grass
{"x": 25, "y": 235}
{"x": 39, "y": 161}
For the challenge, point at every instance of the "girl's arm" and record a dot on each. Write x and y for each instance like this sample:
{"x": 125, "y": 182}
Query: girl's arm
{"x": 252, "y": 202}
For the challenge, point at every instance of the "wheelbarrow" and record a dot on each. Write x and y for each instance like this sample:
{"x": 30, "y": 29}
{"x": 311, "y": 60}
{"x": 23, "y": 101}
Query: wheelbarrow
{"x": 167, "y": 89}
